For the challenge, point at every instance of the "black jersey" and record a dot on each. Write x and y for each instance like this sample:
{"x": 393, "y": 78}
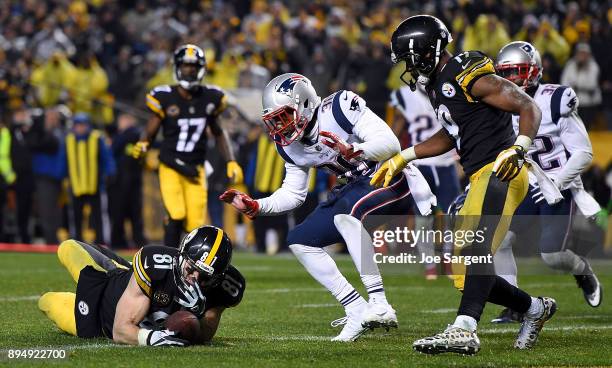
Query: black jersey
{"x": 152, "y": 270}
{"x": 184, "y": 121}
{"x": 480, "y": 131}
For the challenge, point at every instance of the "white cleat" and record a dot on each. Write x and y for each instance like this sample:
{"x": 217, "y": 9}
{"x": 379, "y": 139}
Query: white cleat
{"x": 379, "y": 315}
{"x": 531, "y": 327}
{"x": 353, "y": 328}
{"x": 452, "y": 340}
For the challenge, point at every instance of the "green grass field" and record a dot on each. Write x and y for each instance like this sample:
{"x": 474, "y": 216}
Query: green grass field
{"x": 284, "y": 321}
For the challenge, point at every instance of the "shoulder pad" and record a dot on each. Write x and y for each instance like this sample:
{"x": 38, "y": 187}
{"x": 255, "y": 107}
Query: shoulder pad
{"x": 155, "y": 99}
{"x": 152, "y": 263}
{"x": 563, "y": 102}
{"x": 347, "y": 108}
{"x": 472, "y": 67}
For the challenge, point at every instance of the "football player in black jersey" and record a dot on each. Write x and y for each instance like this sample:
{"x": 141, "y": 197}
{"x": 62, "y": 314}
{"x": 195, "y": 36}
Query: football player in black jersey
{"x": 474, "y": 107}
{"x": 130, "y": 302}
{"x": 184, "y": 111}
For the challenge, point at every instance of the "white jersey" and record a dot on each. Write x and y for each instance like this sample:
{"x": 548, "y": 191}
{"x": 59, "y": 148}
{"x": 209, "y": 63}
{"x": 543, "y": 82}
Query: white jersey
{"x": 345, "y": 114}
{"x": 561, "y": 133}
{"x": 421, "y": 122}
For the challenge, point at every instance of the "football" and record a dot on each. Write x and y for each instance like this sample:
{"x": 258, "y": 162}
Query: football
{"x": 186, "y": 324}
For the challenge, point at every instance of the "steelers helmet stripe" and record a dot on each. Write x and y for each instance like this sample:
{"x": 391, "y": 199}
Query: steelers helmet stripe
{"x": 215, "y": 247}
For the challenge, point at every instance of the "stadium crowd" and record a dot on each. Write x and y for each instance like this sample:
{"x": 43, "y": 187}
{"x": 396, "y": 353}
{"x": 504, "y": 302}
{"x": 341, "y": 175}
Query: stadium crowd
{"x": 73, "y": 70}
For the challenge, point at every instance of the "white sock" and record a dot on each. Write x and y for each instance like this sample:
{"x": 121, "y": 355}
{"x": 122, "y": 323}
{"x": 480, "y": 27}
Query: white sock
{"x": 466, "y": 323}
{"x": 505, "y": 264}
{"x": 359, "y": 245}
{"x": 323, "y": 269}
{"x": 536, "y": 309}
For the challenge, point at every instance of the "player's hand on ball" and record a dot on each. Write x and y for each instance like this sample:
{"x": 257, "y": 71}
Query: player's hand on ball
{"x": 242, "y": 202}
{"x": 509, "y": 162}
{"x": 346, "y": 150}
{"x": 388, "y": 170}
{"x": 164, "y": 338}
{"x": 191, "y": 297}
{"x": 234, "y": 172}
{"x": 139, "y": 149}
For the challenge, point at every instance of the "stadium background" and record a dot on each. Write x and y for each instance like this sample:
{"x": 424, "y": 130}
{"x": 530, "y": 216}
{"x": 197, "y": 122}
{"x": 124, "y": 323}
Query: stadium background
{"x": 60, "y": 58}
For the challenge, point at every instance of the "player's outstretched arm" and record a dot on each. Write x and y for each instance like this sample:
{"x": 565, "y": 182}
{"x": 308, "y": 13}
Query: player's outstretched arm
{"x": 436, "y": 145}
{"x": 210, "y": 323}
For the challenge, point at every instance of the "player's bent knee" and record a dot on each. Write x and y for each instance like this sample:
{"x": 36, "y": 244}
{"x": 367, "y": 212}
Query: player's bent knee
{"x": 344, "y": 221}
{"x": 564, "y": 260}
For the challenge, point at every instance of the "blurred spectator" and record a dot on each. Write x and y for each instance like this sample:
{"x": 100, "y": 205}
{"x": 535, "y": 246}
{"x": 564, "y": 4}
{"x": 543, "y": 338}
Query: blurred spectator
{"x": 582, "y": 73}
{"x": 49, "y": 79}
{"x": 7, "y": 175}
{"x": 21, "y": 158}
{"x": 125, "y": 192}
{"x": 47, "y": 136}
{"x": 253, "y": 75}
{"x": 487, "y": 34}
{"x": 87, "y": 162}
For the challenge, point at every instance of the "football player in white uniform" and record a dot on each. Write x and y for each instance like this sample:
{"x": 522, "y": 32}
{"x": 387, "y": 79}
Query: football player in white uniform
{"x": 419, "y": 119}
{"x": 563, "y": 150}
{"x": 342, "y": 135}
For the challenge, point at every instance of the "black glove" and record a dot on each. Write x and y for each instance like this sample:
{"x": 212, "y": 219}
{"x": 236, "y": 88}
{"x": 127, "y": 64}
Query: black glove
{"x": 192, "y": 299}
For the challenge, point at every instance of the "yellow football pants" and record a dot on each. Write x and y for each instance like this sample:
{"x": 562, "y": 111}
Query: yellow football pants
{"x": 184, "y": 199}
{"x": 74, "y": 256}
{"x": 477, "y": 203}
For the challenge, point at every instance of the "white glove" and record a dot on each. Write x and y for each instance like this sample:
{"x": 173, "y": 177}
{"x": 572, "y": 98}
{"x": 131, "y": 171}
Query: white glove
{"x": 160, "y": 338}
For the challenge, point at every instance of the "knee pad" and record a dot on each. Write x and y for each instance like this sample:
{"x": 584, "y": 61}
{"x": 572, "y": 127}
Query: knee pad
{"x": 345, "y": 223}
{"x": 565, "y": 260}
{"x": 173, "y": 232}
{"x": 299, "y": 249}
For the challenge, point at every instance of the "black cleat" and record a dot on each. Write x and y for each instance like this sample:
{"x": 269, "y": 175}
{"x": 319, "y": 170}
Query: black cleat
{"x": 508, "y": 316}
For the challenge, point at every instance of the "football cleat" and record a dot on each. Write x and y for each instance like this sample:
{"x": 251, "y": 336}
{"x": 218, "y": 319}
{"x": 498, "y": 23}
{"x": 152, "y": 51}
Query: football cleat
{"x": 379, "y": 315}
{"x": 591, "y": 288}
{"x": 531, "y": 327}
{"x": 452, "y": 340}
{"x": 353, "y": 328}
{"x": 508, "y": 316}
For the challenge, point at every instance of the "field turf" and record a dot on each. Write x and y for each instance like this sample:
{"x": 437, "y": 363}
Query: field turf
{"x": 284, "y": 319}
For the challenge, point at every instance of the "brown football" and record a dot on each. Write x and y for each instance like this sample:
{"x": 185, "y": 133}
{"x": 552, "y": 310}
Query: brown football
{"x": 186, "y": 324}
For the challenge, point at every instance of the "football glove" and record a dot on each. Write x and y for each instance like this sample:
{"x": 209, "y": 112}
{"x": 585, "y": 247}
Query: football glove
{"x": 139, "y": 149}
{"x": 509, "y": 162}
{"x": 160, "y": 338}
{"x": 192, "y": 299}
{"x": 234, "y": 172}
{"x": 346, "y": 150}
{"x": 242, "y": 202}
{"x": 388, "y": 170}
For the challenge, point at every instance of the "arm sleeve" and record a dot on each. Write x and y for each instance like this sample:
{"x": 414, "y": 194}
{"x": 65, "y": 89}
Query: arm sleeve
{"x": 576, "y": 141}
{"x": 378, "y": 140}
{"x": 154, "y": 100}
{"x": 290, "y": 195}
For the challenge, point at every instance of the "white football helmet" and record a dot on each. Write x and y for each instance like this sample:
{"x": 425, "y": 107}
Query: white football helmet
{"x": 289, "y": 103}
{"x": 520, "y": 62}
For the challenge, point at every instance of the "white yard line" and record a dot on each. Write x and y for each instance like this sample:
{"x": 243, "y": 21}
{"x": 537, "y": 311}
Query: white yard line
{"x": 440, "y": 311}
{"x": 18, "y": 298}
{"x": 322, "y": 305}
{"x": 552, "y": 328}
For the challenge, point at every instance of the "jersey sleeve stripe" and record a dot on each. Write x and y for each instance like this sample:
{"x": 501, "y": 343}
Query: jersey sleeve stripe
{"x": 339, "y": 116}
{"x": 400, "y": 99}
{"x": 141, "y": 277}
{"x": 555, "y": 104}
{"x": 155, "y": 105}
{"x": 215, "y": 247}
{"x": 467, "y": 79}
{"x": 284, "y": 155}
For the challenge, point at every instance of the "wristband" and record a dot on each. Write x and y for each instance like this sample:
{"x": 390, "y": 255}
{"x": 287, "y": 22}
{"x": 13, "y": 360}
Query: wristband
{"x": 523, "y": 141}
{"x": 408, "y": 154}
{"x": 143, "y": 336}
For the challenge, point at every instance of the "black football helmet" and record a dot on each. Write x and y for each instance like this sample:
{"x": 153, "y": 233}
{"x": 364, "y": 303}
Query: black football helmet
{"x": 419, "y": 41}
{"x": 189, "y": 54}
{"x": 207, "y": 250}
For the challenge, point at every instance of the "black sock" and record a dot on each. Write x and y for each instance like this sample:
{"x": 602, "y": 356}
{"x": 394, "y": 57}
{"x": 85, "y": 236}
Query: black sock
{"x": 475, "y": 294}
{"x": 505, "y": 294}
